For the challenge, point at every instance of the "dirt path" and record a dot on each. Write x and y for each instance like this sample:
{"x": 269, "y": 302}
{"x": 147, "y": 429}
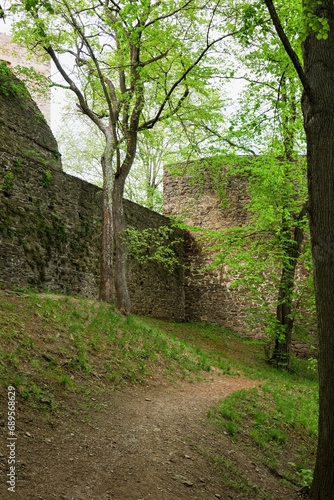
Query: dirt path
{"x": 149, "y": 442}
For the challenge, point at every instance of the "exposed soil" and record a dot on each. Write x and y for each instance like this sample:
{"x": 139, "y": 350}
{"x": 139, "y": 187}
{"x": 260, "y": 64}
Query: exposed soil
{"x": 143, "y": 442}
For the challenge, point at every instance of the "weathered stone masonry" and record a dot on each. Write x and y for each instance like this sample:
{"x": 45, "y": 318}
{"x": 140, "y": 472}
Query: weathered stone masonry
{"x": 50, "y": 222}
{"x": 17, "y": 55}
{"x": 207, "y": 293}
{"x": 50, "y": 229}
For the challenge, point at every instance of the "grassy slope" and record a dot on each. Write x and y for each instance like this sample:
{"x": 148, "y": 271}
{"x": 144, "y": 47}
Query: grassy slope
{"x": 52, "y": 347}
{"x": 275, "y": 425}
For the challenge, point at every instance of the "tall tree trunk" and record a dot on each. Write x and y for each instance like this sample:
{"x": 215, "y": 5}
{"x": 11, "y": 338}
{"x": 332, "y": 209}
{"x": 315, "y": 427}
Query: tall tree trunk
{"x": 317, "y": 78}
{"x": 292, "y": 249}
{"x": 113, "y": 284}
{"x": 318, "y": 109}
{"x": 107, "y": 250}
{"x": 122, "y": 297}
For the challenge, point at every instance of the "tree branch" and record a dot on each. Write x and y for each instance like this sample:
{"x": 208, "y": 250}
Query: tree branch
{"x": 115, "y": 4}
{"x": 154, "y": 59}
{"x": 231, "y": 143}
{"x": 287, "y": 46}
{"x": 115, "y": 101}
{"x": 80, "y": 31}
{"x": 170, "y": 14}
{"x": 150, "y": 123}
{"x": 82, "y": 101}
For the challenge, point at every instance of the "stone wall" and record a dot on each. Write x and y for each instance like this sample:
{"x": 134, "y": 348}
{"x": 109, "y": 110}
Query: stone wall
{"x": 208, "y": 293}
{"x": 50, "y": 233}
{"x": 50, "y": 228}
{"x": 24, "y": 132}
{"x": 50, "y": 222}
{"x": 200, "y": 206}
{"x": 16, "y": 55}
{"x": 208, "y": 296}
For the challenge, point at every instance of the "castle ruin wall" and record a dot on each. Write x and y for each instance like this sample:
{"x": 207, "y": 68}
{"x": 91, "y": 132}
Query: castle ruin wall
{"x": 209, "y": 295}
{"x": 50, "y": 221}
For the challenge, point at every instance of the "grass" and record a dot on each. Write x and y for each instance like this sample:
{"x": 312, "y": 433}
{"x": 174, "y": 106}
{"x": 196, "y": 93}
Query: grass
{"x": 54, "y": 346}
{"x": 275, "y": 424}
{"x": 50, "y": 344}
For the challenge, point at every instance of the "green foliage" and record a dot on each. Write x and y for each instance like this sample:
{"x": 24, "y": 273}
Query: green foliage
{"x": 171, "y": 82}
{"x": 267, "y": 421}
{"x": 267, "y": 114}
{"x": 306, "y": 475}
{"x": 38, "y": 84}
{"x": 8, "y": 86}
{"x": 46, "y": 179}
{"x": 252, "y": 16}
{"x": 135, "y": 64}
{"x": 208, "y": 174}
{"x": 34, "y": 155}
{"x": 157, "y": 245}
{"x": 252, "y": 256}
{"x": 314, "y": 22}
{"x": 7, "y": 182}
{"x": 18, "y": 165}
{"x": 35, "y": 5}
{"x": 313, "y": 362}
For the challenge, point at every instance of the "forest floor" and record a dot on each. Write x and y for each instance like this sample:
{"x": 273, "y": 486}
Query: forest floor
{"x": 146, "y": 441}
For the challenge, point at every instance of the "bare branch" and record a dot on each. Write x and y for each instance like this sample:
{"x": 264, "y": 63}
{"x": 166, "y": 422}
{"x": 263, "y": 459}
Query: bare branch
{"x": 115, "y": 4}
{"x": 88, "y": 46}
{"x": 231, "y": 143}
{"x": 115, "y": 101}
{"x": 59, "y": 85}
{"x": 154, "y": 59}
{"x": 73, "y": 87}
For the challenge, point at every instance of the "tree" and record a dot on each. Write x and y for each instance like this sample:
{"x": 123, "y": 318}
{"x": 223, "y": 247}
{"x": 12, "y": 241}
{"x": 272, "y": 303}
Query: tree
{"x": 155, "y": 149}
{"x": 269, "y": 122}
{"x": 125, "y": 55}
{"x": 260, "y": 257}
{"x": 316, "y": 75}
{"x": 266, "y": 128}
{"x": 80, "y": 144}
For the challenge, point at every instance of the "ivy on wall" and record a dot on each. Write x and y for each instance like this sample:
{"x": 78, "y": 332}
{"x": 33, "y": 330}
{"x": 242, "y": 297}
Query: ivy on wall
{"x": 157, "y": 245}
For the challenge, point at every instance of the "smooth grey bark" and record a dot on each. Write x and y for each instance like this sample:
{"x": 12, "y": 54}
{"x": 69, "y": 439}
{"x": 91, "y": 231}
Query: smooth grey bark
{"x": 107, "y": 290}
{"x": 122, "y": 296}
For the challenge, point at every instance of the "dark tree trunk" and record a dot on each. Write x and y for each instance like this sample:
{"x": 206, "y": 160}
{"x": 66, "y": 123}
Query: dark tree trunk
{"x": 318, "y": 109}
{"x": 282, "y": 349}
{"x": 317, "y": 78}
{"x": 292, "y": 249}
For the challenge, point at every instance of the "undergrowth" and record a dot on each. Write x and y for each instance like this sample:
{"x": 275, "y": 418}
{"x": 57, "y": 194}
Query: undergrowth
{"x": 52, "y": 346}
{"x": 275, "y": 424}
